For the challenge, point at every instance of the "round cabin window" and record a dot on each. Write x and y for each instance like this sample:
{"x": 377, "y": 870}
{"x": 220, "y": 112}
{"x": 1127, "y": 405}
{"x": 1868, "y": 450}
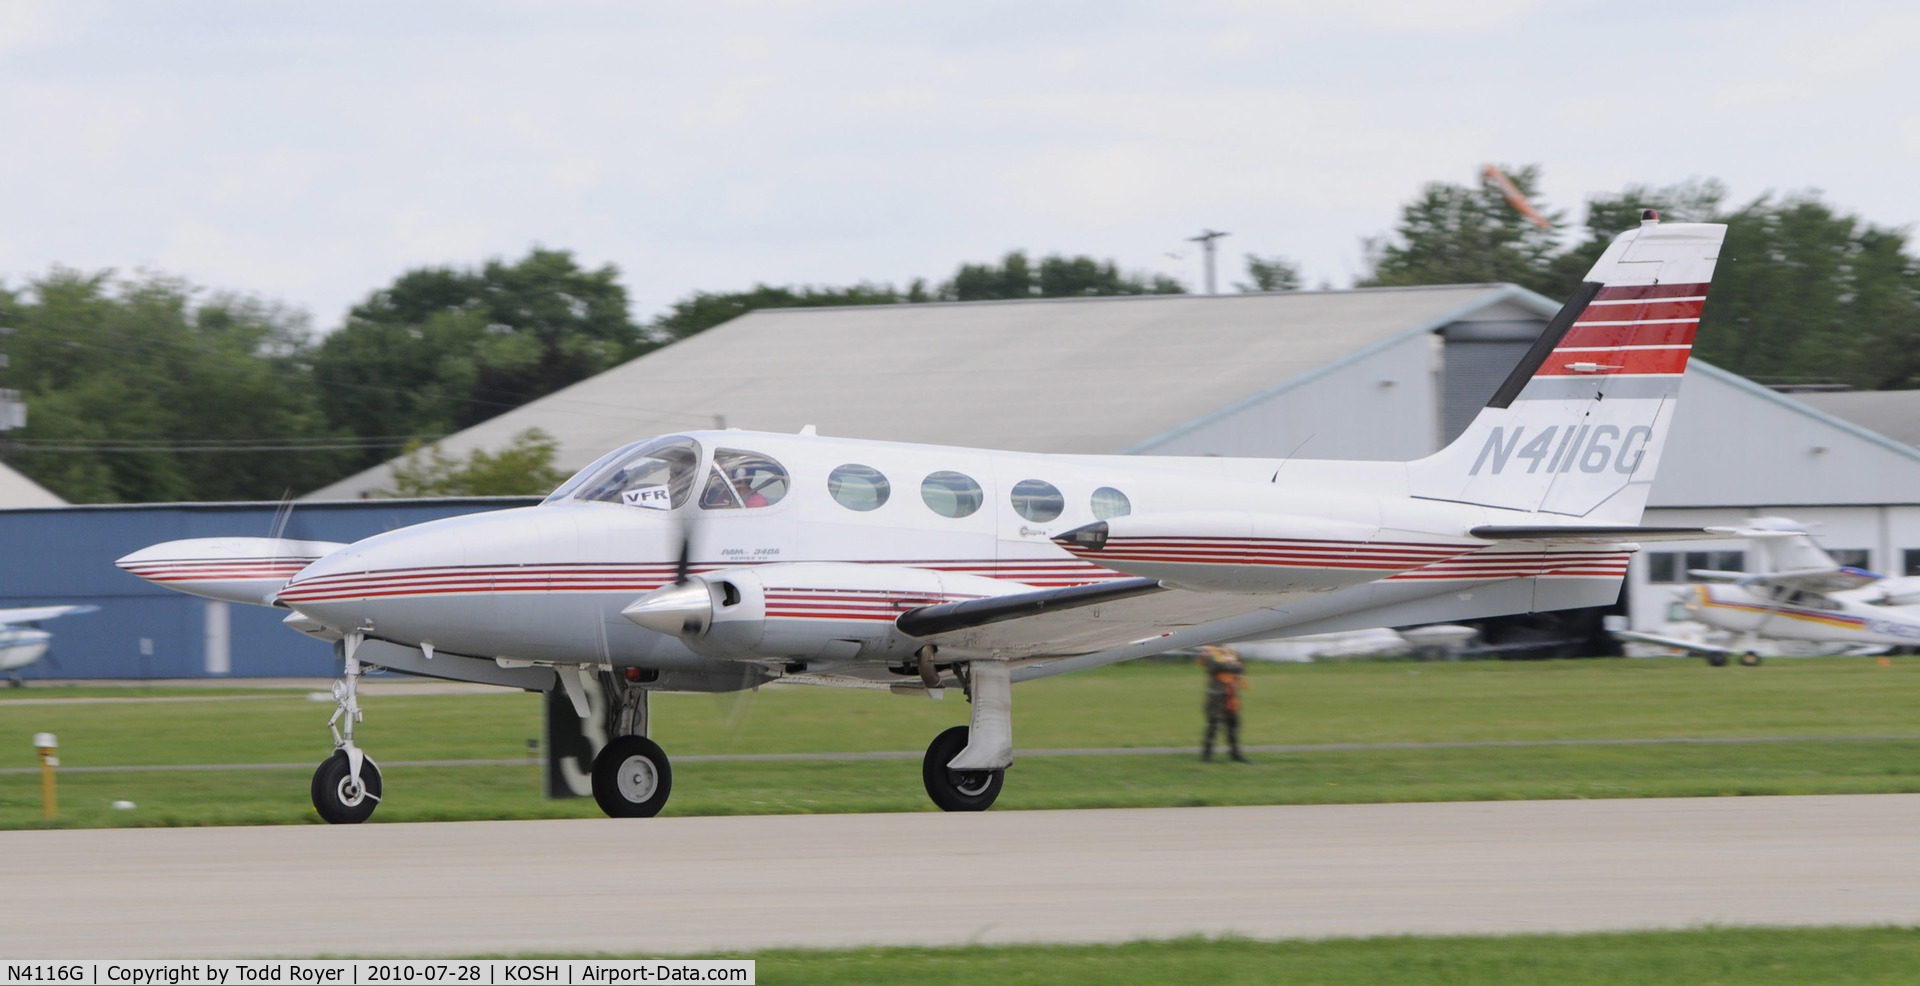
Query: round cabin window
{"x": 1109, "y": 502}
{"x": 951, "y": 494}
{"x": 858, "y": 487}
{"x": 1037, "y": 500}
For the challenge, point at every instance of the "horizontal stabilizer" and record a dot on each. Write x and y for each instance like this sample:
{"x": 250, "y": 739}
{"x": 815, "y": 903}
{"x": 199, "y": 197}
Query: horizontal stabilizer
{"x": 948, "y": 617}
{"x": 1833, "y": 579}
{"x": 1573, "y": 534}
{"x": 1690, "y": 646}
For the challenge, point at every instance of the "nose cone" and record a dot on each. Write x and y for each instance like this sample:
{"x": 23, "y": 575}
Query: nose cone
{"x": 684, "y": 609}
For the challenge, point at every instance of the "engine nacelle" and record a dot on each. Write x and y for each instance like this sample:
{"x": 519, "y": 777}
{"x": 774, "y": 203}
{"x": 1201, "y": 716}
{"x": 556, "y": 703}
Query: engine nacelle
{"x": 806, "y": 611}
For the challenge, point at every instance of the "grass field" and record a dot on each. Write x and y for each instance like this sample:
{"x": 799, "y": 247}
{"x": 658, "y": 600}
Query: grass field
{"x": 1140, "y": 705}
{"x": 1727, "y": 956}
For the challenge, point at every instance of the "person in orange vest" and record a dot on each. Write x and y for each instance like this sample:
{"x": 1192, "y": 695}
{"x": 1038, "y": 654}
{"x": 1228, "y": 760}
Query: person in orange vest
{"x": 1226, "y": 676}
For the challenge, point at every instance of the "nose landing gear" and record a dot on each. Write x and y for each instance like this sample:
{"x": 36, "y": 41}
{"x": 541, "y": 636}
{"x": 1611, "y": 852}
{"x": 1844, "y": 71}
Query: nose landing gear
{"x": 631, "y": 775}
{"x": 632, "y": 778}
{"x": 346, "y": 786}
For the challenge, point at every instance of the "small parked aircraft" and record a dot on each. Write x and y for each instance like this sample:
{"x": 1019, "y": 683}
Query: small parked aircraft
{"x": 720, "y": 560}
{"x": 1800, "y": 593}
{"x": 21, "y": 645}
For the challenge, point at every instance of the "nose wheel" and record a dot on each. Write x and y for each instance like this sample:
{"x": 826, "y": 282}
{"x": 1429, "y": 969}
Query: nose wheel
{"x": 339, "y": 796}
{"x": 632, "y": 778}
{"x": 346, "y": 786}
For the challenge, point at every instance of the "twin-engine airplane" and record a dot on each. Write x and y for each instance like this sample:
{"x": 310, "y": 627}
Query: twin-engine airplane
{"x": 22, "y": 642}
{"x": 719, "y": 560}
{"x": 1800, "y": 593}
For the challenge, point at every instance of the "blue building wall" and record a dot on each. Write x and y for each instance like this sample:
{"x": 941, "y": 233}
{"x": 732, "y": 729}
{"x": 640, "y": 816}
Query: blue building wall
{"x": 53, "y": 556}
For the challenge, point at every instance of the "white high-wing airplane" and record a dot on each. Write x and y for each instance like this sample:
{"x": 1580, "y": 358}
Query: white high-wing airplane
{"x": 719, "y": 560}
{"x": 1800, "y": 593}
{"x": 20, "y": 646}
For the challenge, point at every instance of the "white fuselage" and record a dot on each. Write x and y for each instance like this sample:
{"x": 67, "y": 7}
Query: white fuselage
{"x": 547, "y": 583}
{"x": 1837, "y": 618}
{"x": 21, "y": 646}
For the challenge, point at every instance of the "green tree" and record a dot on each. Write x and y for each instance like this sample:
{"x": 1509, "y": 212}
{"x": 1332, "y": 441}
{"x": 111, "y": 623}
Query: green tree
{"x": 1270, "y": 274}
{"x": 443, "y": 348}
{"x": 523, "y": 468}
{"x": 1466, "y": 234}
{"x": 1056, "y": 276}
{"x": 139, "y": 391}
{"x": 703, "y": 310}
{"x": 1802, "y": 292}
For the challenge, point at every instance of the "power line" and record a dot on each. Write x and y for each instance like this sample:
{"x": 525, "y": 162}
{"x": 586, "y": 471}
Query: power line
{"x": 191, "y": 446}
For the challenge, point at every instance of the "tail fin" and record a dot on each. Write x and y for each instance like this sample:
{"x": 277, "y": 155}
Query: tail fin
{"x": 1578, "y": 427}
{"x": 1792, "y": 549}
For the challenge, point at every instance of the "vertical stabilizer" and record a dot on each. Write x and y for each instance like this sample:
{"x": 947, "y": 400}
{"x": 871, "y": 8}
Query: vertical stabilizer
{"x": 1577, "y": 428}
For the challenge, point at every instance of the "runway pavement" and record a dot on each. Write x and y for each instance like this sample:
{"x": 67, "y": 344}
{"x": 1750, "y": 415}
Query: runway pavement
{"x": 676, "y": 885}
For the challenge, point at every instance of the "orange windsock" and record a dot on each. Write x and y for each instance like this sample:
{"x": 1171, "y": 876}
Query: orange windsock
{"x": 1514, "y": 198}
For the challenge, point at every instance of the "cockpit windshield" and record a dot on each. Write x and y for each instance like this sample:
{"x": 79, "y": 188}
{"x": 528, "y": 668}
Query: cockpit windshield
{"x": 656, "y": 474}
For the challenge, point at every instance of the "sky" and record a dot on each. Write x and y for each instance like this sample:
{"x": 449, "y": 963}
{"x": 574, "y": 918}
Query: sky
{"x": 310, "y": 153}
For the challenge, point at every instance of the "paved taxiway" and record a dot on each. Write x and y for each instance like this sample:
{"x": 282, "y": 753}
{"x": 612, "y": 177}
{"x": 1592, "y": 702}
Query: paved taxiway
{"x": 672, "y": 885}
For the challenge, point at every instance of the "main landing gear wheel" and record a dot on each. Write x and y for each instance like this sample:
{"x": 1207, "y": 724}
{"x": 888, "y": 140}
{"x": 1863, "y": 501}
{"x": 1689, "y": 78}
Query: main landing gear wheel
{"x": 1716, "y": 660}
{"x": 631, "y": 778}
{"x": 337, "y": 798}
{"x": 958, "y": 790}
{"x": 1749, "y": 660}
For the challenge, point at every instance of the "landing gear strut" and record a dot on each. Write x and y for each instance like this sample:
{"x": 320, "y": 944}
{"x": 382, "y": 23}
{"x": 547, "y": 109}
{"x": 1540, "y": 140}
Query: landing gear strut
{"x": 346, "y": 787}
{"x": 631, "y": 775}
{"x": 966, "y": 765}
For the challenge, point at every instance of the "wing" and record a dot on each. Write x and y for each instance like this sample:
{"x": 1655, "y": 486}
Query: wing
{"x": 1576, "y": 534}
{"x": 34, "y": 614}
{"x": 1673, "y": 642}
{"x": 1822, "y": 580}
{"x": 1075, "y": 620}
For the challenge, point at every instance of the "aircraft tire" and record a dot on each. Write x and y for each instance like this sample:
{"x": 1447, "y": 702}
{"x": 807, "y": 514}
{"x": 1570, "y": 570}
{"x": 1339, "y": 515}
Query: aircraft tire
{"x": 1749, "y": 660}
{"x": 958, "y": 790}
{"x": 1717, "y": 660}
{"x": 632, "y": 778}
{"x": 331, "y": 797}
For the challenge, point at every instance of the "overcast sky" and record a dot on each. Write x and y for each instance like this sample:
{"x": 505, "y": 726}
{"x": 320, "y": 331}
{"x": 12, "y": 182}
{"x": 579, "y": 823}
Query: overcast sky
{"x": 311, "y": 152}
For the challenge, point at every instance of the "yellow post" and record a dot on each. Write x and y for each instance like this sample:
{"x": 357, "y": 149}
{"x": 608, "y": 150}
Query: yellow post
{"x": 46, "y": 745}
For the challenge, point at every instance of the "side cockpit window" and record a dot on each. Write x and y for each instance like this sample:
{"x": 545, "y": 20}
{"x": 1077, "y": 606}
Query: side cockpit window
{"x": 656, "y": 475}
{"x": 742, "y": 479}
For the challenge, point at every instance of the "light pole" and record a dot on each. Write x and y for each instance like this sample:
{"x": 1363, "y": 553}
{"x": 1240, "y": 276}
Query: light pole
{"x": 1205, "y": 239}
